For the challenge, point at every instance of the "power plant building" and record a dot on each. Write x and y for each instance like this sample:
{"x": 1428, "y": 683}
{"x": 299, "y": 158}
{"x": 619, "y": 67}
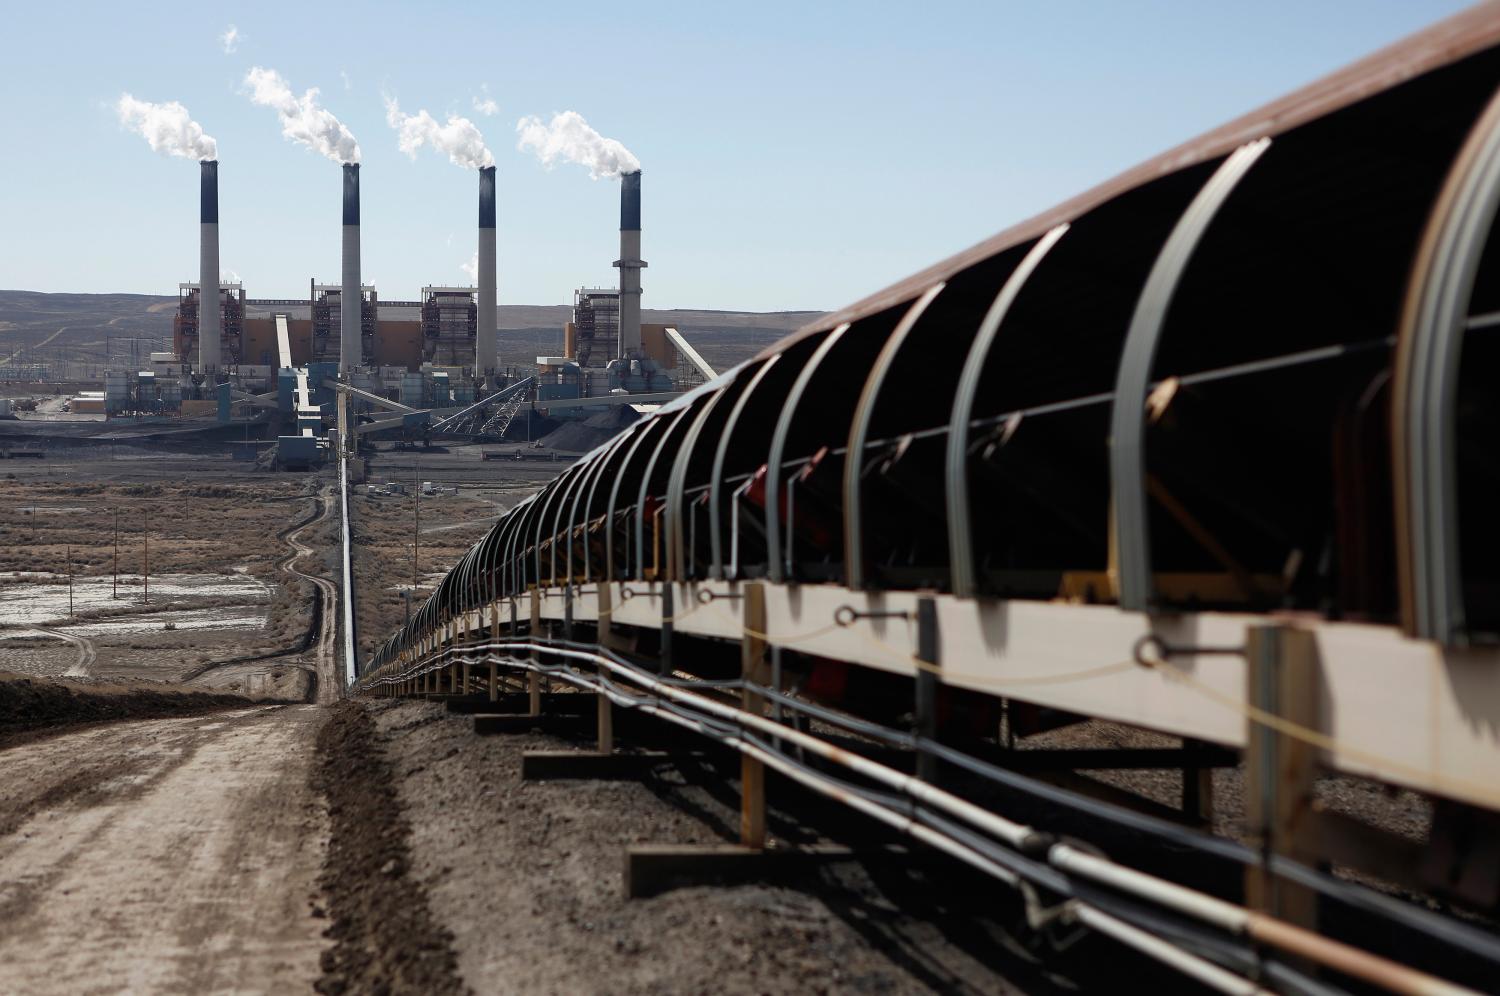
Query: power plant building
{"x": 450, "y": 316}
{"x": 187, "y": 325}
{"x": 393, "y": 329}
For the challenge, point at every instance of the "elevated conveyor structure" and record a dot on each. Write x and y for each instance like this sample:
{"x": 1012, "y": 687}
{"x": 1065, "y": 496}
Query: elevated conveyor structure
{"x": 690, "y": 354}
{"x": 1207, "y": 450}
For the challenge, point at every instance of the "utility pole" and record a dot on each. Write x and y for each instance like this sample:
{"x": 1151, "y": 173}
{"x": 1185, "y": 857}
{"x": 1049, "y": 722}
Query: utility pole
{"x": 70, "y": 581}
{"x": 147, "y": 534}
{"x": 117, "y": 550}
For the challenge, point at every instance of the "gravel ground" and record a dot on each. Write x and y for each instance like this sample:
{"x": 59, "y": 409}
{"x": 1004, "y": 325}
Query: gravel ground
{"x": 528, "y": 879}
{"x": 1396, "y": 810}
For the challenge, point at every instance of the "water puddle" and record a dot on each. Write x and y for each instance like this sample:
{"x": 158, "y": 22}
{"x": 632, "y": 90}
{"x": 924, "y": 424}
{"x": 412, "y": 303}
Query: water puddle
{"x": 35, "y": 599}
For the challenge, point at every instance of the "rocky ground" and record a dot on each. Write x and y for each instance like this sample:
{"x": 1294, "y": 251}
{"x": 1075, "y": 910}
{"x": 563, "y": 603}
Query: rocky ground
{"x": 527, "y": 879}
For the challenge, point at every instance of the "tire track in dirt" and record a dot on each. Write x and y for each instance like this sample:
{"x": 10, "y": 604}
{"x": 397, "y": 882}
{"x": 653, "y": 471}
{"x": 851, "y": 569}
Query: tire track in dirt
{"x": 182, "y": 859}
{"x": 86, "y": 652}
{"x": 321, "y": 635}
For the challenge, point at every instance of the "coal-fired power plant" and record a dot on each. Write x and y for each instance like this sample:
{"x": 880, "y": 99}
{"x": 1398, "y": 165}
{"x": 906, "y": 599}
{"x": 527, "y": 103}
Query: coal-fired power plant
{"x": 485, "y": 362}
{"x": 630, "y": 264}
{"x": 351, "y": 303}
{"x": 209, "y": 308}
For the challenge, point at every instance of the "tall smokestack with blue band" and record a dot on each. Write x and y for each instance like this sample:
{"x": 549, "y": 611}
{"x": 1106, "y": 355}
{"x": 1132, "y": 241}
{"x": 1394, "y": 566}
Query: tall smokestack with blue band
{"x": 210, "y": 319}
{"x": 630, "y": 263}
{"x": 351, "y": 299}
{"x": 484, "y": 335}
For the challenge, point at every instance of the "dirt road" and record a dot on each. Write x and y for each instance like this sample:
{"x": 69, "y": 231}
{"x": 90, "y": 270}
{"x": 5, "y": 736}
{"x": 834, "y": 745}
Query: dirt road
{"x": 163, "y": 856}
{"x": 325, "y": 645}
{"x": 86, "y": 652}
{"x": 318, "y": 656}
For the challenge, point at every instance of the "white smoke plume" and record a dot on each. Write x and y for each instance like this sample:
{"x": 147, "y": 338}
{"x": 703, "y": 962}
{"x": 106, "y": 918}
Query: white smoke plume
{"x": 460, "y": 138}
{"x": 230, "y": 39}
{"x": 471, "y": 267}
{"x": 302, "y": 119}
{"x": 484, "y": 103}
{"x": 166, "y": 127}
{"x": 568, "y": 137}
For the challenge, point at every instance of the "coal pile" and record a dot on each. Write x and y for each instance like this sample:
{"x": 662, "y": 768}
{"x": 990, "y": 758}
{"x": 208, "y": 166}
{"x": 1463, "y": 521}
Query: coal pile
{"x": 580, "y": 437}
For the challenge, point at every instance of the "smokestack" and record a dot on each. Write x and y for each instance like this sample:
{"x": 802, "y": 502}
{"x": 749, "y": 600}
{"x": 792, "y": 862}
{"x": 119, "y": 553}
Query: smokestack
{"x": 351, "y": 298}
{"x": 484, "y": 336}
{"x": 210, "y": 320}
{"x": 630, "y": 263}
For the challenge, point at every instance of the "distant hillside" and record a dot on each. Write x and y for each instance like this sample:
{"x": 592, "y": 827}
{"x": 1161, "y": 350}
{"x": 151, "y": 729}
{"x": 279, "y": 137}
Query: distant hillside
{"x": 73, "y": 333}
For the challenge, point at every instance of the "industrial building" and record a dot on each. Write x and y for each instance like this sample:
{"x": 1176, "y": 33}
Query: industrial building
{"x": 391, "y": 333}
{"x": 230, "y": 318}
{"x": 412, "y": 367}
{"x": 450, "y": 316}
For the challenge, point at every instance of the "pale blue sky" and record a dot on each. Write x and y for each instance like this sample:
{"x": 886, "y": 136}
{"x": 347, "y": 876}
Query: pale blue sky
{"x": 797, "y": 155}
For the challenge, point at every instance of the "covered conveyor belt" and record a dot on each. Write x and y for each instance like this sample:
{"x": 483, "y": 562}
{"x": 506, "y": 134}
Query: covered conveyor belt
{"x": 690, "y": 354}
{"x": 374, "y": 399}
{"x": 1207, "y": 450}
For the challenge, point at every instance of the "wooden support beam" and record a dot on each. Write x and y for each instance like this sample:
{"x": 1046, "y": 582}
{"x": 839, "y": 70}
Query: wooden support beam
{"x": 492, "y": 724}
{"x": 1199, "y": 756}
{"x": 651, "y": 869}
{"x": 534, "y": 680}
{"x": 1280, "y": 770}
{"x": 494, "y": 664}
{"x": 606, "y": 723}
{"x": 927, "y": 681}
{"x": 753, "y": 668}
{"x": 576, "y": 704}
{"x": 1198, "y": 784}
{"x": 555, "y": 765}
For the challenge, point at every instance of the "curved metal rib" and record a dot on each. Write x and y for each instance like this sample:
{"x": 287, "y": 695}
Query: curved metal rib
{"x": 1429, "y": 354}
{"x": 677, "y": 485}
{"x": 647, "y": 429}
{"x": 778, "y": 444}
{"x": 716, "y": 479}
{"x": 960, "y": 537}
{"x": 859, "y": 432}
{"x": 643, "y": 492}
{"x": 1129, "y": 533}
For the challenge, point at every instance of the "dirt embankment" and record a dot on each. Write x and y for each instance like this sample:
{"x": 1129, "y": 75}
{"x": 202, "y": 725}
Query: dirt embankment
{"x": 527, "y": 875}
{"x": 384, "y": 938}
{"x": 30, "y": 706}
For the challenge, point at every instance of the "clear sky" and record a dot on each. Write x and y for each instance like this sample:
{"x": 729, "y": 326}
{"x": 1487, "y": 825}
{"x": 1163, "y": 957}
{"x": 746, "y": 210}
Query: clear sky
{"x": 797, "y": 155}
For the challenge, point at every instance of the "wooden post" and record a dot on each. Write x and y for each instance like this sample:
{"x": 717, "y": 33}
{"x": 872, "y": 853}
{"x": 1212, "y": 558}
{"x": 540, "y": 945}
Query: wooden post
{"x": 602, "y": 602}
{"x": 1282, "y": 673}
{"x": 534, "y": 680}
{"x": 927, "y": 685}
{"x": 1197, "y": 789}
{"x": 753, "y": 669}
{"x": 494, "y": 664}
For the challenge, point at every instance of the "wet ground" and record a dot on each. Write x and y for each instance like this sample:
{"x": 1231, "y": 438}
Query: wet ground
{"x": 193, "y": 576}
